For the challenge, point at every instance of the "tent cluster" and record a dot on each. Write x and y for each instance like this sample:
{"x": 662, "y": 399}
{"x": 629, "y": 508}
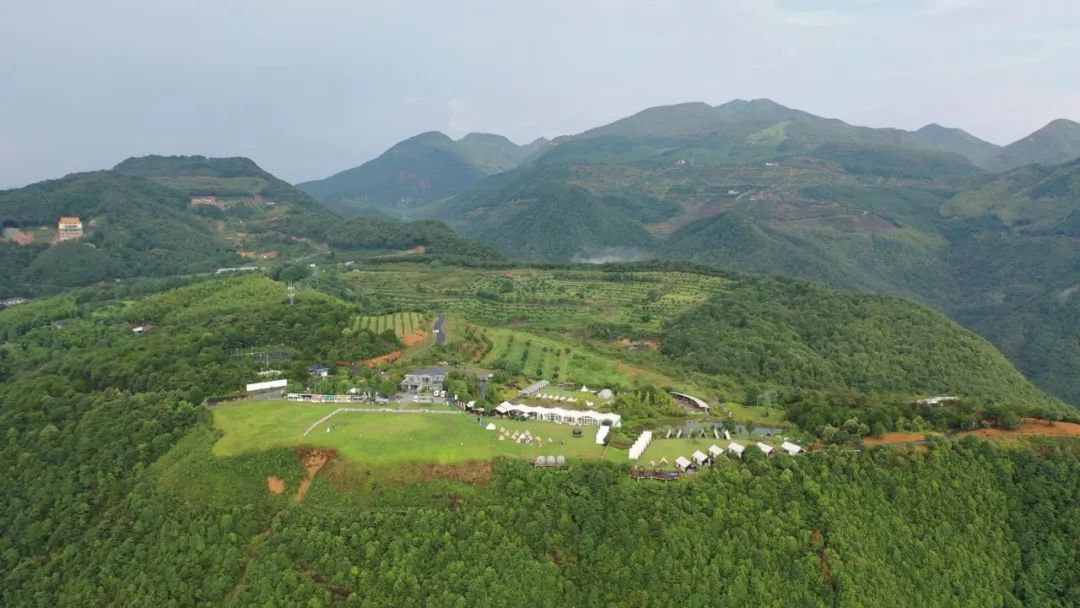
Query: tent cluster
{"x": 550, "y": 461}
{"x": 699, "y": 459}
{"x": 561, "y": 398}
{"x": 526, "y": 438}
{"x": 558, "y": 414}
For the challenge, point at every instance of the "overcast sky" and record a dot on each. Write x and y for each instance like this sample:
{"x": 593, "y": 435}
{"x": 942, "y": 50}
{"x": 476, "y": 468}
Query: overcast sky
{"x": 310, "y": 88}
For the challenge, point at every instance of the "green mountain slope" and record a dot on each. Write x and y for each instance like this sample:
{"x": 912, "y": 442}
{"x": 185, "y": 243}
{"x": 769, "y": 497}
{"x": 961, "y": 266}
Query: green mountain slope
{"x": 776, "y": 331}
{"x": 121, "y": 497}
{"x": 140, "y": 220}
{"x": 422, "y": 169}
{"x": 1057, "y": 142}
{"x": 134, "y": 226}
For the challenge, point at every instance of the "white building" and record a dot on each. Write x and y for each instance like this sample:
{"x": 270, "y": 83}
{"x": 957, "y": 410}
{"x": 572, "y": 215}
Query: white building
{"x": 715, "y": 450}
{"x": 699, "y": 457}
{"x": 558, "y": 414}
{"x": 765, "y": 448}
{"x": 791, "y": 448}
{"x": 736, "y": 448}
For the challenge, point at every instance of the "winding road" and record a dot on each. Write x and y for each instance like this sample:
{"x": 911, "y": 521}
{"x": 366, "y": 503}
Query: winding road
{"x": 440, "y": 333}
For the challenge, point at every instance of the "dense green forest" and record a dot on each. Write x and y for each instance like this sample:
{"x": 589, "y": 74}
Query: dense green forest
{"x": 800, "y": 335}
{"x": 114, "y": 496}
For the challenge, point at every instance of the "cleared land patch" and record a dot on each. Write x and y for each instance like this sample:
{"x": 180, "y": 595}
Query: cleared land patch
{"x": 405, "y": 324}
{"x": 387, "y": 438}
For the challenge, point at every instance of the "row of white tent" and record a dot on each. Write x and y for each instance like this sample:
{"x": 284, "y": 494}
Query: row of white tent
{"x": 561, "y": 398}
{"x": 700, "y": 458}
{"x": 642, "y": 442}
{"x": 560, "y": 415}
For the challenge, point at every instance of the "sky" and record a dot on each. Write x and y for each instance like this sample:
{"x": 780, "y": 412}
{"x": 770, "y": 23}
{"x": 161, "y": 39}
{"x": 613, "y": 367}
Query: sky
{"x": 310, "y": 88}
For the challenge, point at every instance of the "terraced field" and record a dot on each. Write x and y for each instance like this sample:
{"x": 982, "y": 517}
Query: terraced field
{"x": 553, "y": 300}
{"x": 401, "y": 323}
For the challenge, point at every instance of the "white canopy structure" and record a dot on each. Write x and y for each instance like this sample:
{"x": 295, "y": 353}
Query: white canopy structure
{"x": 262, "y": 386}
{"x": 602, "y": 433}
{"x": 642, "y": 442}
{"x": 534, "y": 388}
{"x": 715, "y": 450}
{"x": 606, "y": 394}
{"x": 692, "y": 400}
{"x": 738, "y": 449}
{"x": 765, "y": 448}
{"x": 490, "y": 426}
{"x": 791, "y": 448}
{"x": 682, "y": 463}
{"x": 699, "y": 457}
{"x": 559, "y": 415}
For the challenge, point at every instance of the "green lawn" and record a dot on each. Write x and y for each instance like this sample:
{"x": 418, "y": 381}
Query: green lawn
{"x": 382, "y": 438}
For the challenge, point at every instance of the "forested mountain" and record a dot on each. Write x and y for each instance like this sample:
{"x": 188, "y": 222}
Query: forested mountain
{"x": 159, "y": 216}
{"x": 1057, "y": 142}
{"x": 792, "y": 332}
{"x": 755, "y": 186}
{"x": 421, "y": 169}
{"x": 119, "y": 498}
{"x": 959, "y": 141}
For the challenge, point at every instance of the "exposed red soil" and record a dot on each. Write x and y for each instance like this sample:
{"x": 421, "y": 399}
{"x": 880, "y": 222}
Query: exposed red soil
{"x": 313, "y": 461}
{"x": 415, "y": 337}
{"x": 417, "y": 249}
{"x": 384, "y": 359}
{"x": 275, "y": 484}
{"x": 1032, "y": 427}
{"x": 891, "y": 438}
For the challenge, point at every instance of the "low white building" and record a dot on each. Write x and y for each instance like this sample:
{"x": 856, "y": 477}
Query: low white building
{"x": 699, "y": 457}
{"x": 736, "y": 448}
{"x": 791, "y": 448}
{"x": 765, "y": 448}
{"x": 682, "y": 463}
{"x": 715, "y": 450}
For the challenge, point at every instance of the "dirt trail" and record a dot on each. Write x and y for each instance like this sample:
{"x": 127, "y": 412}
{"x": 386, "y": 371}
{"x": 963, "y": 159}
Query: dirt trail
{"x": 313, "y": 461}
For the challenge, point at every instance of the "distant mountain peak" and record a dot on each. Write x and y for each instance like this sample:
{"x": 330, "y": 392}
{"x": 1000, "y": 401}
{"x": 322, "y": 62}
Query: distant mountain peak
{"x": 1056, "y": 142}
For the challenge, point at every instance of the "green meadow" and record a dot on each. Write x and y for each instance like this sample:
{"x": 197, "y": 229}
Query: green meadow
{"x": 379, "y": 438}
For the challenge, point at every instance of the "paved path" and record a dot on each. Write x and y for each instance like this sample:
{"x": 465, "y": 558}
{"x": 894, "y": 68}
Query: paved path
{"x": 440, "y": 333}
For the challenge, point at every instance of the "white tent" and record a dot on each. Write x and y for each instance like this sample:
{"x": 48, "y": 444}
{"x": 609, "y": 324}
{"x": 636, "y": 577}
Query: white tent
{"x": 490, "y": 426}
{"x": 602, "y": 433}
{"x": 682, "y": 463}
{"x": 560, "y": 415}
{"x": 606, "y": 394}
{"x": 734, "y": 447}
{"x": 699, "y": 457}
{"x": 791, "y": 448}
{"x": 715, "y": 450}
{"x": 764, "y": 447}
